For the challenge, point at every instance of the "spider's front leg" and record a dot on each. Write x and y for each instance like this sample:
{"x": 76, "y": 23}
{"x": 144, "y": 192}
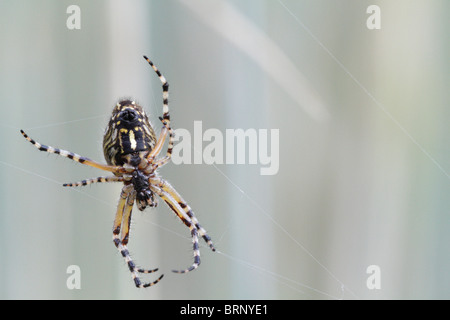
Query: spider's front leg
{"x": 165, "y": 119}
{"x": 121, "y": 231}
{"x": 73, "y": 156}
{"x": 94, "y": 180}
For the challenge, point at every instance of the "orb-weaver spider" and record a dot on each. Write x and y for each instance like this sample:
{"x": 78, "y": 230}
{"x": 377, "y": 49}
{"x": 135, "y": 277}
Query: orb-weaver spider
{"x": 130, "y": 149}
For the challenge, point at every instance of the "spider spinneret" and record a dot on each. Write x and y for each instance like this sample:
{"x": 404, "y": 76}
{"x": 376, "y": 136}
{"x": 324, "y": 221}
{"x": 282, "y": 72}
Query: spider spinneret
{"x": 130, "y": 148}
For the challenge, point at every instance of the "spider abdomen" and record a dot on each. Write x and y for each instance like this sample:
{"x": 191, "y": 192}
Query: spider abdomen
{"x": 129, "y": 135}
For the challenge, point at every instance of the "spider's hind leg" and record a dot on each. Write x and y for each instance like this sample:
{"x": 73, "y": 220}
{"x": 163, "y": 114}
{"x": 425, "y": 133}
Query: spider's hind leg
{"x": 180, "y": 207}
{"x": 184, "y": 213}
{"x": 196, "y": 263}
{"x": 121, "y": 232}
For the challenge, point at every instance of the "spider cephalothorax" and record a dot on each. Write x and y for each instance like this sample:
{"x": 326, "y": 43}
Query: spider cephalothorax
{"x": 130, "y": 148}
{"x": 144, "y": 196}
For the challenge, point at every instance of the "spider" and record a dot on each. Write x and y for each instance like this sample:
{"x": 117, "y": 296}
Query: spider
{"x": 131, "y": 150}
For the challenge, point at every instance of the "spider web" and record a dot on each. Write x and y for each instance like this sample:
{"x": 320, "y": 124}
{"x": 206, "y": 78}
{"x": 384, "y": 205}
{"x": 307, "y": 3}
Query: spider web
{"x": 338, "y": 283}
{"x": 299, "y": 287}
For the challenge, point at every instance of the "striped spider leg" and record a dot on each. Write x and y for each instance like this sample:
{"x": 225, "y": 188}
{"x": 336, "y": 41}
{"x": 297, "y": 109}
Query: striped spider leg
{"x": 131, "y": 149}
{"x": 164, "y": 190}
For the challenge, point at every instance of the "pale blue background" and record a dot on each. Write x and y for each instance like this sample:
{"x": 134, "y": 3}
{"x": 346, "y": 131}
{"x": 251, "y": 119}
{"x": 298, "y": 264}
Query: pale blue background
{"x": 364, "y": 147}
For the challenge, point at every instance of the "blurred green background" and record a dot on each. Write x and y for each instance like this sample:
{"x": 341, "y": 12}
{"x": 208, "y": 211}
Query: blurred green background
{"x": 364, "y": 173}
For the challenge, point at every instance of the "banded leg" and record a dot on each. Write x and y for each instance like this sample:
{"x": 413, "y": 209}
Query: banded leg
{"x": 120, "y": 235}
{"x": 166, "y": 116}
{"x": 165, "y": 87}
{"x": 73, "y": 156}
{"x": 153, "y": 165}
{"x": 194, "y": 235}
{"x": 187, "y": 221}
{"x": 171, "y": 136}
{"x": 168, "y": 189}
{"x": 168, "y": 156}
{"x": 159, "y": 145}
{"x": 94, "y": 180}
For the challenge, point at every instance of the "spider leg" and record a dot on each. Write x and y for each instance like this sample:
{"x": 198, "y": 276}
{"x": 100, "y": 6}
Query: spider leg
{"x": 153, "y": 165}
{"x": 187, "y": 221}
{"x": 160, "y": 162}
{"x": 171, "y": 142}
{"x": 73, "y": 156}
{"x": 166, "y": 116}
{"x": 194, "y": 235}
{"x": 158, "y": 147}
{"x": 120, "y": 235}
{"x": 165, "y": 86}
{"x": 186, "y": 209}
{"x": 94, "y": 180}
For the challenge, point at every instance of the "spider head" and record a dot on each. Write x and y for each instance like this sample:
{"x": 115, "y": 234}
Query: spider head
{"x": 144, "y": 196}
{"x": 129, "y": 132}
